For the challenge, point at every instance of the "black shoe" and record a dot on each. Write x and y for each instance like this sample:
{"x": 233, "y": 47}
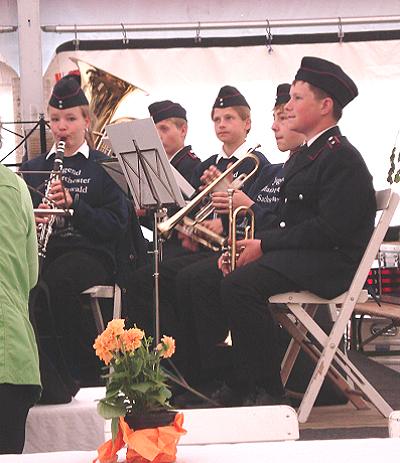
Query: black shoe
{"x": 227, "y": 397}
{"x": 189, "y": 399}
{"x": 261, "y": 397}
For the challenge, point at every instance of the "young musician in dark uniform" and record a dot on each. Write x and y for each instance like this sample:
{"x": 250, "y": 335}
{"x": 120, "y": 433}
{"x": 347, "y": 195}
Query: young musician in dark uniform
{"x": 172, "y": 126}
{"x": 324, "y": 220}
{"x": 81, "y": 249}
{"x": 262, "y": 195}
{"x": 232, "y": 122}
{"x": 204, "y": 327}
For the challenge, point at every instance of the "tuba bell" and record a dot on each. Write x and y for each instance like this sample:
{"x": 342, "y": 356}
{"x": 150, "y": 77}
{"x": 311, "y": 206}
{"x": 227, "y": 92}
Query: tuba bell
{"x": 105, "y": 93}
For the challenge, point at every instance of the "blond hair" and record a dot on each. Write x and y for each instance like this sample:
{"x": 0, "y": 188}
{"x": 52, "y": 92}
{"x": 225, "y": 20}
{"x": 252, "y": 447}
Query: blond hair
{"x": 242, "y": 111}
{"x": 178, "y": 121}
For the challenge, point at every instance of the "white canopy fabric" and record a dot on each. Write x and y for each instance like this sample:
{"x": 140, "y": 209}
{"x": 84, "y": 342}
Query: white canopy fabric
{"x": 193, "y": 76}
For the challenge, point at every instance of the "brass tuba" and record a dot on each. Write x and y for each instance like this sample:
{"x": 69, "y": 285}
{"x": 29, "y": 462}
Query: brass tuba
{"x": 105, "y": 93}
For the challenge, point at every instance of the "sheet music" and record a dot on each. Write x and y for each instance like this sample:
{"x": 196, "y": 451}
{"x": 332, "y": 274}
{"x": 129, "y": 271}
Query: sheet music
{"x": 185, "y": 187}
{"x": 144, "y": 163}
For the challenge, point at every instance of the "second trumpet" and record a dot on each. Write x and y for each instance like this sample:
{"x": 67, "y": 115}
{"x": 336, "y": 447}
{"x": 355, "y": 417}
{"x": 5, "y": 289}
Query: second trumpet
{"x": 165, "y": 228}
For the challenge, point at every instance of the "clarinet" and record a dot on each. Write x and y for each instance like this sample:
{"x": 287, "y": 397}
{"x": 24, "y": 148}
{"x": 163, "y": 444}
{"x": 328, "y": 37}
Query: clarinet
{"x": 45, "y": 229}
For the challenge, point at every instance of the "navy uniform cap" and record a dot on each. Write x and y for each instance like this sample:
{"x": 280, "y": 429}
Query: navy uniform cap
{"x": 282, "y": 94}
{"x": 230, "y": 96}
{"x": 329, "y": 77}
{"x": 67, "y": 93}
{"x": 161, "y": 110}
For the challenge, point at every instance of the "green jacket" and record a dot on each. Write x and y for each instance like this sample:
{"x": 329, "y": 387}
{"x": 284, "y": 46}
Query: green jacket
{"x": 19, "y": 361}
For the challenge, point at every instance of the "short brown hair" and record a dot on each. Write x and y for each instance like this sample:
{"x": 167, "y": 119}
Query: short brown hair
{"x": 321, "y": 94}
{"x": 279, "y": 107}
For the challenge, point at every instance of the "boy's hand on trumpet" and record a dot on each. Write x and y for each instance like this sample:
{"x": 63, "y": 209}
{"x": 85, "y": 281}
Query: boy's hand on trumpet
{"x": 212, "y": 173}
{"x": 220, "y": 201}
{"x": 250, "y": 250}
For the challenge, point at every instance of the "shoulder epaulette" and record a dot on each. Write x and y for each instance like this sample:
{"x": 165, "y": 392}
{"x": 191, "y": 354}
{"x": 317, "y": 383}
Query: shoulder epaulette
{"x": 192, "y": 155}
{"x": 333, "y": 141}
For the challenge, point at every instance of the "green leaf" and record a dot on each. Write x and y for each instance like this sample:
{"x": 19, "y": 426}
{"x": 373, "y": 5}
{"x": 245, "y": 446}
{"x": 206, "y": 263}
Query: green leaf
{"x": 108, "y": 411}
{"x": 114, "y": 428}
{"x": 141, "y": 387}
{"x": 136, "y": 364}
{"x": 116, "y": 376}
{"x": 111, "y": 396}
{"x": 114, "y": 386}
{"x": 162, "y": 395}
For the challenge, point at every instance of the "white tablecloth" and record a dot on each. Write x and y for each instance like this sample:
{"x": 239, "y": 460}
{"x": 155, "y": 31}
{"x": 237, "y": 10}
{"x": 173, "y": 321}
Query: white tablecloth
{"x": 332, "y": 451}
{"x": 72, "y": 426}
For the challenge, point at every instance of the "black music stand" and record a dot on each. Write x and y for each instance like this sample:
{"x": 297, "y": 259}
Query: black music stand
{"x": 150, "y": 179}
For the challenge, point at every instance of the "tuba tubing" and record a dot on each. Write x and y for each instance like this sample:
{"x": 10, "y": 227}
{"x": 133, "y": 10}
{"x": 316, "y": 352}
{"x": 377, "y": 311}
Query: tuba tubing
{"x": 165, "y": 228}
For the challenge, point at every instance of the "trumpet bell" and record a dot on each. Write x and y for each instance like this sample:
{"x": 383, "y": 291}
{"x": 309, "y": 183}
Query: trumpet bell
{"x": 201, "y": 234}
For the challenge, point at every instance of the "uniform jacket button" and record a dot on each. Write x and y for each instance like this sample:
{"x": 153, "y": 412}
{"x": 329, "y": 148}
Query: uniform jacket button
{"x": 301, "y": 196}
{"x": 285, "y": 200}
{"x": 282, "y": 224}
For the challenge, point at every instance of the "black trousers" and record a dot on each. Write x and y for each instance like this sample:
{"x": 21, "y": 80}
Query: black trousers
{"x": 141, "y": 299}
{"x": 15, "y": 402}
{"x": 211, "y": 305}
{"x": 204, "y": 325}
{"x": 198, "y": 306}
{"x": 66, "y": 276}
{"x": 256, "y": 350}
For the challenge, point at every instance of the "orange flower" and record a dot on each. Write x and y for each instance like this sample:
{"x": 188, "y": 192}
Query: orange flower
{"x": 116, "y": 326}
{"x": 166, "y": 346}
{"x": 106, "y": 343}
{"x": 102, "y": 349}
{"x": 132, "y": 338}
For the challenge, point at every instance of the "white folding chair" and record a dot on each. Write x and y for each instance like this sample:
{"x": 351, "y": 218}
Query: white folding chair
{"x": 297, "y": 318}
{"x": 394, "y": 424}
{"x": 103, "y": 292}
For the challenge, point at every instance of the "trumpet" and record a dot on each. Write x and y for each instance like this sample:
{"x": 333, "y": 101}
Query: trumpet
{"x": 165, "y": 228}
{"x": 201, "y": 234}
{"x": 230, "y": 251}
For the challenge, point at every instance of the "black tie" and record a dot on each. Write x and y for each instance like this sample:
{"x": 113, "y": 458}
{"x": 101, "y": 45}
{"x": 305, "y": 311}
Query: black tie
{"x": 222, "y": 164}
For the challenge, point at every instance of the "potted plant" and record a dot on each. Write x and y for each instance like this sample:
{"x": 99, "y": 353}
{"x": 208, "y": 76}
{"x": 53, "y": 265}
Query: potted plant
{"x": 137, "y": 394}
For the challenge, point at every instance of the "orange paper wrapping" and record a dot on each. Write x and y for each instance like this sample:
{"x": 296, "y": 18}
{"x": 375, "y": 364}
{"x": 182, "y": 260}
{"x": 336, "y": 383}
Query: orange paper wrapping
{"x": 155, "y": 445}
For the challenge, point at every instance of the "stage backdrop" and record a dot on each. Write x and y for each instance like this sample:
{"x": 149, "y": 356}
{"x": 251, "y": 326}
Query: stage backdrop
{"x": 193, "y": 76}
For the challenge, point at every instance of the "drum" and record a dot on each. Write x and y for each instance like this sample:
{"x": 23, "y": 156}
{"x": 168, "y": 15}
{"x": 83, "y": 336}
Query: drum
{"x": 388, "y": 272}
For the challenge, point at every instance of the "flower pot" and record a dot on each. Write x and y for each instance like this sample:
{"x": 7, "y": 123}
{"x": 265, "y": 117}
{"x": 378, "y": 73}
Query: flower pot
{"x": 150, "y": 419}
